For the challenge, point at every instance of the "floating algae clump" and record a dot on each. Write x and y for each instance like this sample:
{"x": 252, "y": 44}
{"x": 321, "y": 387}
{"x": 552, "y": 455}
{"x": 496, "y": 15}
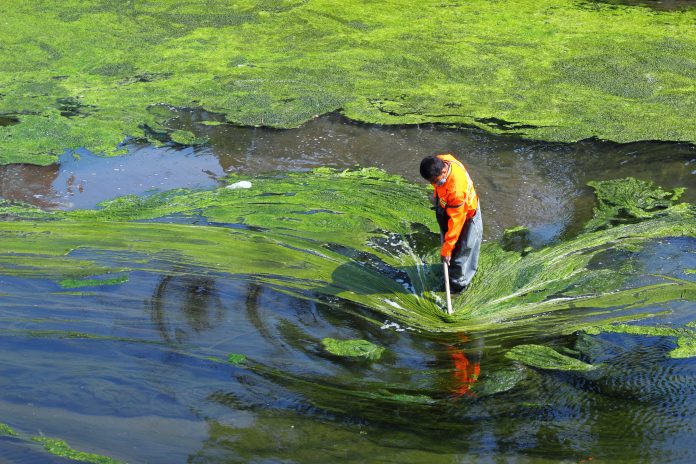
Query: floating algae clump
{"x": 623, "y": 201}
{"x": 78, "y": 283}
{"x": 61, "y": 448}
{"x": 236, "y": 359}
{"x": 516, "y": 239}
{"x": 544, "y": 357}
{"x": 353, "y": 348}
{"x": 7, "y": 430}
{"x": 499, "y": 381}
{"x": 117, "y": 69}
{"x": 183, "y": 137}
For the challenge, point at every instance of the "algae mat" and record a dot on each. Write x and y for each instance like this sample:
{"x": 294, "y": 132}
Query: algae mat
{"x": 91, "y": 73}
{"x": 358, "y": 236}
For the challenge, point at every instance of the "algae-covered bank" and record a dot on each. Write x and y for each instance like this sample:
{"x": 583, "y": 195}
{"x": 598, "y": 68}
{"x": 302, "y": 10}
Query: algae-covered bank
{"x": 92, "y": 73}
{"x": 298, "y": 315}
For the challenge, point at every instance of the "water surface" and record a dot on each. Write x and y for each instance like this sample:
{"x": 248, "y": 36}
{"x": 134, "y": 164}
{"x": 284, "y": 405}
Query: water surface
{"x": 138, "y": 370}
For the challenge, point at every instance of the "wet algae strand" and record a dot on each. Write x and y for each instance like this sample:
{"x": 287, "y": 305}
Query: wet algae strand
{"x": 59, "y": 447}
{"x": 557, "y": 70}
{"x": 353, "y": 235}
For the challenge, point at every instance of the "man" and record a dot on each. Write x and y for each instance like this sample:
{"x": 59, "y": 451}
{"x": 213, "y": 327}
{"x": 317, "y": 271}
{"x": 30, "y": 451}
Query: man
{"x": 458, "y": 215}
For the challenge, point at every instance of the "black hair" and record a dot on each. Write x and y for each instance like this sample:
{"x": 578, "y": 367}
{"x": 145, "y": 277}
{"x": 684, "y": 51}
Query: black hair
{"x": 431, "y": 167}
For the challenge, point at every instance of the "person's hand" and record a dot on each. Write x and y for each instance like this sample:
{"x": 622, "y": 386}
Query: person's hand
{"x": 433, "y": 202}
{"x": 446, "y": 259}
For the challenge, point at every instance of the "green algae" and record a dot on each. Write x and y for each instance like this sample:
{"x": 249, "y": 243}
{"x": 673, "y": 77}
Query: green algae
{"x": 7, "y": 430}
{"x": 401, "y": 398}
{"x": 236, "y": 359}
{"x": 78, "y": 283}
{"x": 61, "y": 448}
{"x": 353, "y": 348}
{"x": 544, "y": 69}
{"x": 628, "y": 200}
{"x": 363, "y": 393}
{"x": 687, "y": 346}
{"x": 685, "y": 338}
{"x": 183, "y": 137}
{"x": 544, "y": 357}
{"x": 516, "y": 239}
{"x": 498, "y": 381}
{"x": 347, "y": 235}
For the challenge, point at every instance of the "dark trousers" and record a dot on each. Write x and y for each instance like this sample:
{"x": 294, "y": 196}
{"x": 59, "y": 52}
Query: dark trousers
{"x": 464, "y": 261}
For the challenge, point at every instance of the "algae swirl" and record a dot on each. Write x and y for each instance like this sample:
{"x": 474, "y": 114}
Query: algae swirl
{"x": 557, "y": 70}
{"x": 359, "y": 236}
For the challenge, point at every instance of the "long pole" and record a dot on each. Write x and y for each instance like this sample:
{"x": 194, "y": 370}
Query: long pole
{"x": 445, "y": 267}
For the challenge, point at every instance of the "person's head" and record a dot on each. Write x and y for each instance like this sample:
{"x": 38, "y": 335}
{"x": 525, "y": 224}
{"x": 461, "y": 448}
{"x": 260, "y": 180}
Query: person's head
{"x": 433, "y": 169}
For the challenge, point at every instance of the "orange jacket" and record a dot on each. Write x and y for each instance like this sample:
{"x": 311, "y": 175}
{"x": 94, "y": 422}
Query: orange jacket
{"x": 458, "y": 197}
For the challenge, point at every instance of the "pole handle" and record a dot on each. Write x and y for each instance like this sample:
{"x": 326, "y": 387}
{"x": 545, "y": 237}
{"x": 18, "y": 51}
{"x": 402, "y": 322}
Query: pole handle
{"x": 447, "y": 288}
{"x": 445, "y": 268}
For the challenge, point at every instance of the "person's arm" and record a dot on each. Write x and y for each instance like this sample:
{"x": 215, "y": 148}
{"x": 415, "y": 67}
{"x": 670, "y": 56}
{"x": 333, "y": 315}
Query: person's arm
{"x": 457, "y": 213}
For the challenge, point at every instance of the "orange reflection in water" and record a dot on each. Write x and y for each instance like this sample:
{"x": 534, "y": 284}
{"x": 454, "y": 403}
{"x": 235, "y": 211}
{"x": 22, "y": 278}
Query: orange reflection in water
{"x": 467, "y": 368}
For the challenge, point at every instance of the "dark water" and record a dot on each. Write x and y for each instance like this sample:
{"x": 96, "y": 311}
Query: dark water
{"x": 149, "y": 385}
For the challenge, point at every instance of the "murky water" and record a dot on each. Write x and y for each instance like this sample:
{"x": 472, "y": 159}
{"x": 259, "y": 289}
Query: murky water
{"x": 150, "y": 384}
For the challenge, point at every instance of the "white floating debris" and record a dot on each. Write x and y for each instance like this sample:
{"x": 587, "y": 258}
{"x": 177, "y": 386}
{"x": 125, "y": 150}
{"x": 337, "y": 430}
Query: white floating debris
{"x": 391, "y": 325}
{"x": 397, "y": 328}
{"x": 392, "y": 303}
{"x": 242, "y": 184}
{"x": 409, "y": 288}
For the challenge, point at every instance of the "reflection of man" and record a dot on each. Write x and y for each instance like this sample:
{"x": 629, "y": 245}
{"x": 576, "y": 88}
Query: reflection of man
{"x": 458, "y": 215}
{"x": 466, "y": 365}
{"x": 466, "y": 370}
